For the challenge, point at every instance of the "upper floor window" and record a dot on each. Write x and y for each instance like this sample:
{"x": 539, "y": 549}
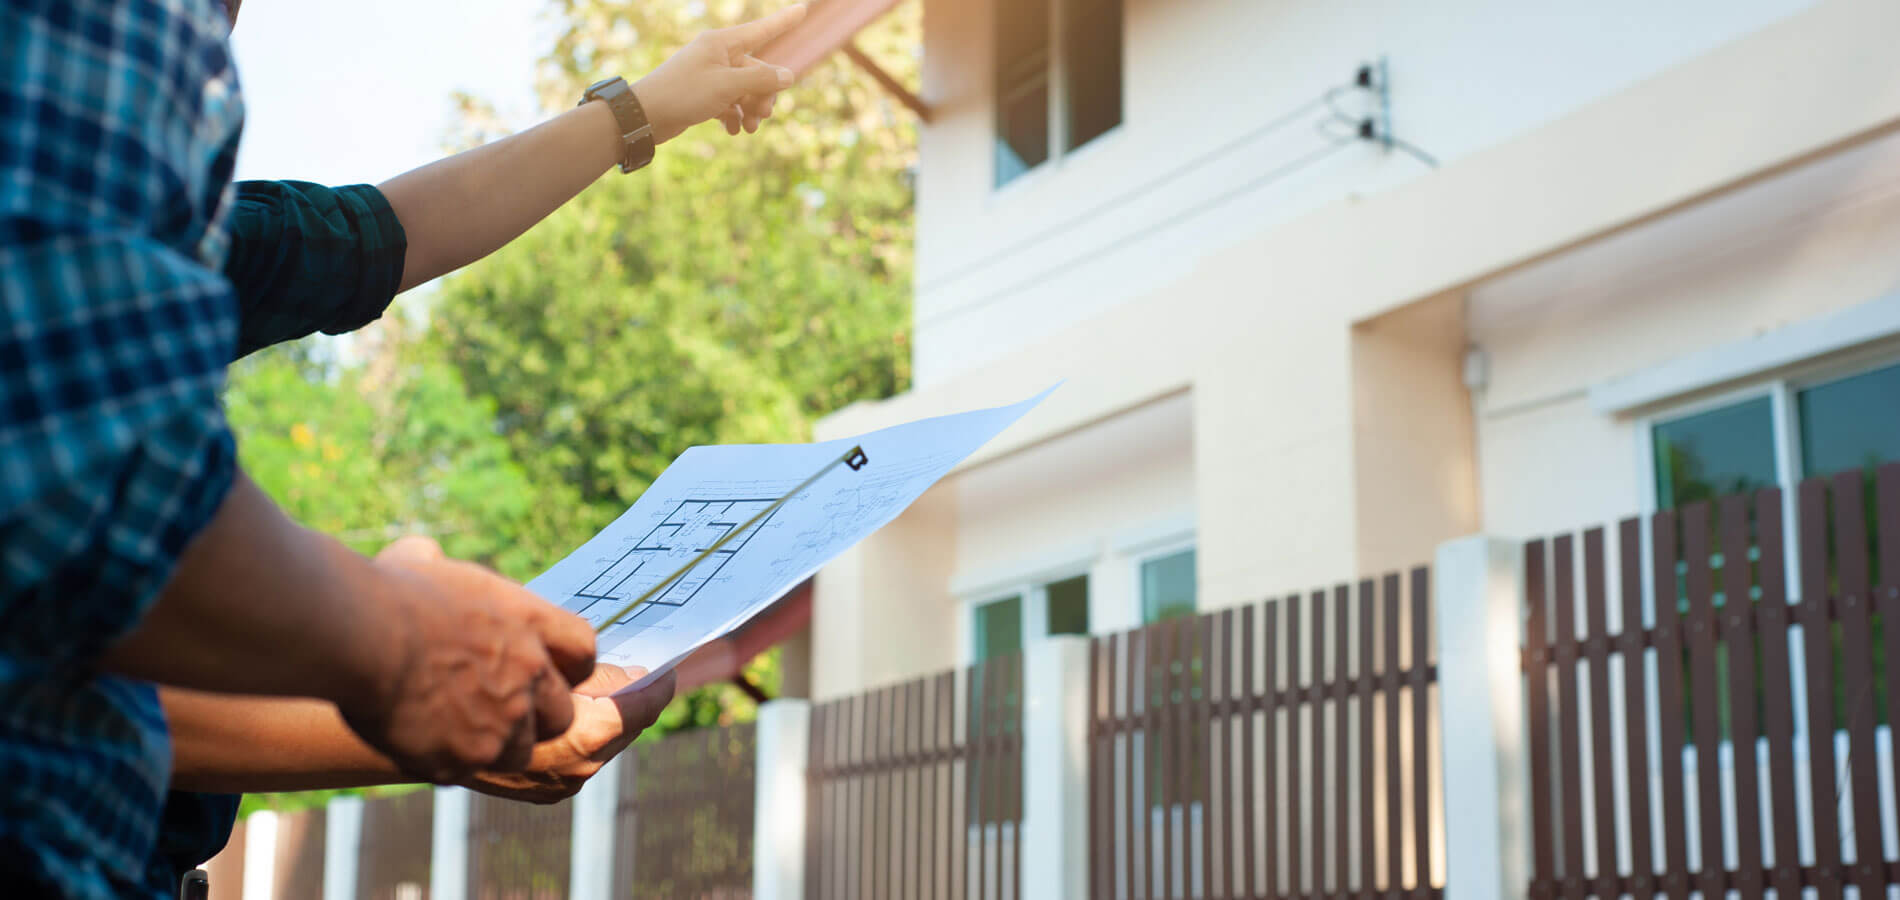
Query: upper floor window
{"x": 1058, "y": 78}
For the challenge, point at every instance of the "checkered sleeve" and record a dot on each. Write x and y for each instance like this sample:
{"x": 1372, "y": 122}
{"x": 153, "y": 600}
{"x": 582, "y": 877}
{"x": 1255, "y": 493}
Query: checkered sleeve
{"x": 118, "y": 125}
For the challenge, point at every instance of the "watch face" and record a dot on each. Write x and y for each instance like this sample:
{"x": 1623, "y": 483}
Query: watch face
{"x": 598, "y": 85}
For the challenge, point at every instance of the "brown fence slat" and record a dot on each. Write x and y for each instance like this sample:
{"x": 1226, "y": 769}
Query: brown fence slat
{"x": 1342, "y": 779}
{"x": 1817, "y": 628}
{"x": 1669, "y": 704}
{"x": 1421, "y": 730}
{"x": 1569, "y": 740}
{"x": 1136, "y": 757}
{"x": 1204, "y": 736}
{"x": 1295, "y": 812}
{"x": 1705, "y": 691}
{"x": 917, "y": 780}
{"x": 1857, "y": 671}
{"x": 1366, "y": 687}
{"x": 956, "y": 823}
{"x": 1316, "y": 790}
{"x": 817, "y": 801}
{"x": 864, "y": 830}
{"x": 1537, "y": 696}
{"x": 1098, "y": 773}
{"x": 1597, "y": 650}
{"x": 1738, "y": 635}
{"x": 1169, "y": 744}
{"x": 1394, "y": 771}
{"x": 1014, "y": 772}
{"x": 1227, "y": 884}
{"x": 996, "y": 682}
{"x": 1777, "y": 706}
{"x": 1153, "y": 700}
{"x": 882, "y": 745}
{"x": 1635, "y": 708}
{"x": 1249, "y": 853}
{"x": 864, "y": 785}
{"x": 1887, "y": 508}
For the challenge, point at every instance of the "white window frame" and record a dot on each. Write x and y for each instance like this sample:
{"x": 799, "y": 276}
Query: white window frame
{"x": 1156, "y": 552}
{"x": 1113, "y": 567}
{"x": 1059, "y": 149}
{"x": 1026, "y": 579}
{"x": 1782, "y": 390}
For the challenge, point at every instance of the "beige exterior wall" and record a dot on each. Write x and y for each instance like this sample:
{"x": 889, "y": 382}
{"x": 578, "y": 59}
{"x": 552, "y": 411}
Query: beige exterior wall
{"x": 1182, "y": 178}
{"x": 1817, "y": 239}
{"x": 1297, "y": 374}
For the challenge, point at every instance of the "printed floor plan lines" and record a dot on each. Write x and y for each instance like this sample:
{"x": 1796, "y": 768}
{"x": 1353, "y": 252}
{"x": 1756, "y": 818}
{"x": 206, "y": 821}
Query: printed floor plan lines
{"x": 747, "y": 523}
{"x": 691, "y": 527}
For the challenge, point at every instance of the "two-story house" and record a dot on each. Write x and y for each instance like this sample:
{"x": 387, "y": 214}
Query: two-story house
{"x": 1329, "y": 283}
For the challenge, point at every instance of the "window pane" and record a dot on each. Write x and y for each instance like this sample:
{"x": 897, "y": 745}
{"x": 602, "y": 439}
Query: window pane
{"x": 1708, "y": 455}
{"x": 1068, "y": 605}
{"x": 1093, "y": 66}
{"x": 1022, "y": 87}
{"x": 1022, "y": 132}
{"x": 1167, "y": 587}
{"x": 1022, "y": 33}
{"x": 999, "y": 628}
{"x": 1853, "y": 423}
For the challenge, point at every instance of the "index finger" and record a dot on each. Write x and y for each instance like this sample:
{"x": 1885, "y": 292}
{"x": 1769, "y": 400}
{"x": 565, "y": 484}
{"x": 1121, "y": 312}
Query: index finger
{"x": 750, "y": 36}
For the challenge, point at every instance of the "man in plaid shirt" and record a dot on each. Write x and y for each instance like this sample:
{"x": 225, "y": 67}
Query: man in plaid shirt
{"x": 133, "y": 550}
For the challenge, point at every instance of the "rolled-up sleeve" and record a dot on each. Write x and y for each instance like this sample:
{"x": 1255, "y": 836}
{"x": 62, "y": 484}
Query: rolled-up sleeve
{"x": 306, "y": 258}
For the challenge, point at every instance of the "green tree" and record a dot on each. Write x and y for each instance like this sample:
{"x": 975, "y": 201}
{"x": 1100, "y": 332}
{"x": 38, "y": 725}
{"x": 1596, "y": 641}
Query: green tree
{"x": 732, "y": 292}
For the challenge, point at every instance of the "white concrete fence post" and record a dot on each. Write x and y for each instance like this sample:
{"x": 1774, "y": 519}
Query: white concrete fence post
{"x": 783, "y": 751}
{"x": 1055, "y": 768}
{"x": 592, "y": 850}
{"x": 342, "y": 842}
{"x": 448, "y": 848}
{"x": 260, "y": 856}
{"x": 1478, "y": 585}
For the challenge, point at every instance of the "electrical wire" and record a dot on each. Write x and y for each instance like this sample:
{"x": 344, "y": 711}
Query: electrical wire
{"x": 1189, "y": 165}
{"x": 1412, "y": 150}
{"x": 1169, "y": 221}
{"x": 1362, "y": 129}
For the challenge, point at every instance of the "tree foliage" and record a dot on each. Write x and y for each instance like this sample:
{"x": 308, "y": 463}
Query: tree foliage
{"x": 733, "y": 291}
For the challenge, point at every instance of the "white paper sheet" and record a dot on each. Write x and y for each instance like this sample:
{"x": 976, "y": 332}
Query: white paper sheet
{"x": 709, "y": 491}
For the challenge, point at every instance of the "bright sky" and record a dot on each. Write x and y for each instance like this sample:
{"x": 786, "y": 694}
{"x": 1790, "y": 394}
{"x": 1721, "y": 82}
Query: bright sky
{"x": 347, "y": 91}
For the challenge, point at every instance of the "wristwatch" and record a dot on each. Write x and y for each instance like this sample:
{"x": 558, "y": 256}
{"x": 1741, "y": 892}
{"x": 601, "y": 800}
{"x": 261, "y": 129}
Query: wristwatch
{"x": 632, "y": 120}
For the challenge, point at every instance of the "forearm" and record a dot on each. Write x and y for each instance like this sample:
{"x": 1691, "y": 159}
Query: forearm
{"x": 460, "y": 209}
{"x": 230, "y": 744}
{"x": 261, "y": 605}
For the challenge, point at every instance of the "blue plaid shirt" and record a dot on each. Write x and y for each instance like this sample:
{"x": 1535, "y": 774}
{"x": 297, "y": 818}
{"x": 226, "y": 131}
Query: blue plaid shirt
{"x": 118, "y": 126}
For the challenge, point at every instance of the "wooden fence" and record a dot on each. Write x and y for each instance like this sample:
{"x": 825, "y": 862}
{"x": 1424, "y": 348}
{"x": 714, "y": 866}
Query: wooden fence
{"x": 393, "y": 852}
{"x": 915, "y": 790}
{"x": 1245, "y": 753}
{"x": 685, "y": 816}
{"x": 298, "y": 871}
{"x": 518, "y": 851}
{"x": 1709, "y": 720}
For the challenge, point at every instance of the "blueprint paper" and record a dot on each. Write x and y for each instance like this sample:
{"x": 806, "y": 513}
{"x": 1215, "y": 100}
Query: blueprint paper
{"x": 709, "y": 491}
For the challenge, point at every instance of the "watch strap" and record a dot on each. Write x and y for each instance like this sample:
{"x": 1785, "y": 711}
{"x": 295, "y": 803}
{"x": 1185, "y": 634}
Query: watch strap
{"x": 636, "y": 134}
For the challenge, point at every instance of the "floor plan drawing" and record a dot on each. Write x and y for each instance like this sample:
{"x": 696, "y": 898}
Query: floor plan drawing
{"x": 690, "y": 528}
{"x": 742, "y": 524}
